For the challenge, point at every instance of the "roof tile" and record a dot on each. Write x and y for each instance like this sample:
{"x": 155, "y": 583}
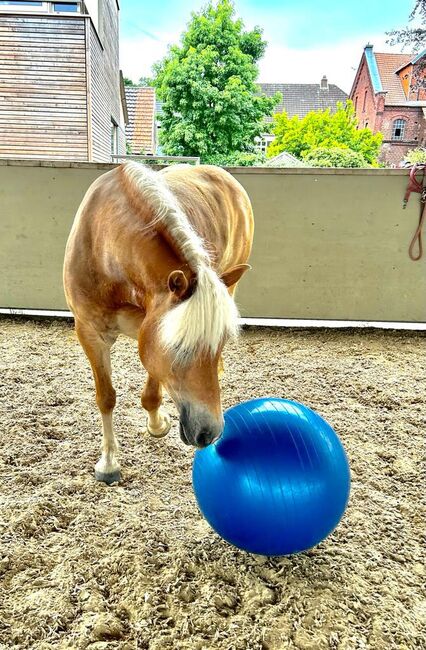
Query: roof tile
{"x": 140, "y": 130}
{"x": 388, "y": 64}
{"x": 300, "y": 99}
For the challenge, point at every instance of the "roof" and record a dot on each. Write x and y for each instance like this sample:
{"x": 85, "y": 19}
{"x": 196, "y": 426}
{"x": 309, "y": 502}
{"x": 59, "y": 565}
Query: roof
{"x": 387, "y": 65}
{"x": 373, "y": 69}
{"x": 140, "y": 131}
{"x": 300, "y": 99}
{"x": 415, "y": 59}
{"x": 284, "y": 159}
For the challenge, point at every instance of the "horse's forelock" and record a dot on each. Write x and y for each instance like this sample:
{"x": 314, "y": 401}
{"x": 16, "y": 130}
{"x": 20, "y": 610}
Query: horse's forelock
{"x": 202, "y": 322}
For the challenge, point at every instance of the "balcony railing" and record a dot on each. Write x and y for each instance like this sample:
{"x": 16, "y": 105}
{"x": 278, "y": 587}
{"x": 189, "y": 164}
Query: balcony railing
{"x": 160, "y": 160}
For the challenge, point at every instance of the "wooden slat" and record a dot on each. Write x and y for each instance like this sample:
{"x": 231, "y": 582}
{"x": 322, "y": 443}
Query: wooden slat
{"x": 43, "y": 101}
{"x": 20, "y": 65}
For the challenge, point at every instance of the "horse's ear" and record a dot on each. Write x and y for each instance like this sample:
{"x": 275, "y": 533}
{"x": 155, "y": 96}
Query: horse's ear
{"x": 231, "y": 277}
{"x": 178, "y": 283}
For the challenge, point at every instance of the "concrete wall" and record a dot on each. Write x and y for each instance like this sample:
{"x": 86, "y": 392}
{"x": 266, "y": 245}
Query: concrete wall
{"x": 329, "y": 244}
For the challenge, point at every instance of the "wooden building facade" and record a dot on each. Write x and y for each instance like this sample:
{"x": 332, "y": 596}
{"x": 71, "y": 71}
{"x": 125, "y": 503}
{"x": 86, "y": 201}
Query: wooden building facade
{"x": 61, "y": 90}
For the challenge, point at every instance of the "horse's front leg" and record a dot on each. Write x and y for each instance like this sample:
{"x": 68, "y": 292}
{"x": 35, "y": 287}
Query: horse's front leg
{"x": 97, "y": 348}
{"x": 159, "y": 422}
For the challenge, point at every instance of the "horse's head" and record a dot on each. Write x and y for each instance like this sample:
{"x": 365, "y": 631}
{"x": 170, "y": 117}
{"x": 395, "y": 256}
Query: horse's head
{"x": 180, "y": 344}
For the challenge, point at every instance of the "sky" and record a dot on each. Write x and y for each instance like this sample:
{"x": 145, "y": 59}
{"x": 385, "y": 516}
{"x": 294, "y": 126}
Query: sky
{"x": 306, "y": 38}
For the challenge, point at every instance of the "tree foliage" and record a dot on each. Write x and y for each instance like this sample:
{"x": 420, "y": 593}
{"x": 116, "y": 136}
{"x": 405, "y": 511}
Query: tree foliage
{"x": 412, "y": 37}
{"x": 299, "y": 136}
{"x": 335, "y": 157}
{"x": 416, "y": 156}
{"x": 238, "y": 159}
{"x": 415, "y": 39}
{"x": 211, "y": 104}
{"x": 145, "y": 81}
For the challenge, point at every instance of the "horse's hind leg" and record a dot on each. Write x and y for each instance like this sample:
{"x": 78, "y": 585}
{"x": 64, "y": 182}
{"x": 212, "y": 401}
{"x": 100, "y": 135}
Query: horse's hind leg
{"x": 159, "y": 423}
{"x": 97, "y": 348}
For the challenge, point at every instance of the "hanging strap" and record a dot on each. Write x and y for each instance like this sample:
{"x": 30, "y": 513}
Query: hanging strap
{"x": 415, "y": 186}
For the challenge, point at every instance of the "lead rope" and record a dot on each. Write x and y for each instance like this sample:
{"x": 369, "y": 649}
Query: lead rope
{"x": 415, "y": 186}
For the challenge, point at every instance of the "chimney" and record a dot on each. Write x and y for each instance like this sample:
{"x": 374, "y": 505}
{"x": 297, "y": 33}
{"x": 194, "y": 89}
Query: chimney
{"x": 324, "y": 83}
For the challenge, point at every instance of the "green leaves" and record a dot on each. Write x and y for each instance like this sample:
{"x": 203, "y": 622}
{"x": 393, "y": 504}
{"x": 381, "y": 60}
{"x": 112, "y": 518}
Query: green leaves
{"x": 211, "y": 105}
{"x": 335, "y": 157}
{"x": 325, "y": 130}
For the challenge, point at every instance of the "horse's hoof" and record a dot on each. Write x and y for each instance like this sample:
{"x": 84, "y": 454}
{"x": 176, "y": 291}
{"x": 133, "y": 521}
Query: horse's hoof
{"x": 163, "y": 430}
{"x": 109, "y": 479}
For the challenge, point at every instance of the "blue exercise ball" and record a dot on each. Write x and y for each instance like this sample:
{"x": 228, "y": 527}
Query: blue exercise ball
{"x": 276, "y": 482}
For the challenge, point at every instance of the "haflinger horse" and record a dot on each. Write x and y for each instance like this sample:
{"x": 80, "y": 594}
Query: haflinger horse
{"x": 157, "y": 256}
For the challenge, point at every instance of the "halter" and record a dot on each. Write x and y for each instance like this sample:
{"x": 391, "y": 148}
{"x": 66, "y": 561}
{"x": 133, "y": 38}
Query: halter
{"x": 415, "y": 186}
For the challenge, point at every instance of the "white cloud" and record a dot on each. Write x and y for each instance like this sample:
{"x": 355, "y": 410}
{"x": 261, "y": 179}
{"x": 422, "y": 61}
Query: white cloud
{"x": 338, "y": 62}
{"x": 279, "y": 65}
{"x": 137, "y": 54}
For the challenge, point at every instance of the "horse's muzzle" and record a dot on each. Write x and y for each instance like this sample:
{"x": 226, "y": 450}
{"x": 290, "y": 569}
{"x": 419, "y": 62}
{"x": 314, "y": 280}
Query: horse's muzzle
{"x": 197, "y": 426}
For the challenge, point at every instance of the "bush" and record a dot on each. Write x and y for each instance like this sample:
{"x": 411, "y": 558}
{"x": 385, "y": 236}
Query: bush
{"x": 237, "y": 159}
{"x": 415, "y": 156}
{"x": 335, "y": 157}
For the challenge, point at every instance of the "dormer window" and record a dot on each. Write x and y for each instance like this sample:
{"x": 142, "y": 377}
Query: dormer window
{"x": 398, "y": 129}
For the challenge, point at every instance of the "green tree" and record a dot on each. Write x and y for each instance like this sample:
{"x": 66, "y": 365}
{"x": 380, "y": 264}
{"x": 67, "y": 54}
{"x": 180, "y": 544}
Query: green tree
{"x": 335, "y": 157}
{"x": 416, "y": 156}
{"x": 412, "y": 37}
{"x": 211, "y": 104}
{"x": 324, "y": 129}
{"x": 145, "y": 81}
{"x": 127, "y": 81}
{"x": 415, "y": 39}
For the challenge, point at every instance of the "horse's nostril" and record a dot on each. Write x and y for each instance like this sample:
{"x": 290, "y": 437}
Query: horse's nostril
{"x": 204, "y": 438}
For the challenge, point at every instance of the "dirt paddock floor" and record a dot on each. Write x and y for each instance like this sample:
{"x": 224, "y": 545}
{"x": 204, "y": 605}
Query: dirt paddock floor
{"x": 135, "y": 566}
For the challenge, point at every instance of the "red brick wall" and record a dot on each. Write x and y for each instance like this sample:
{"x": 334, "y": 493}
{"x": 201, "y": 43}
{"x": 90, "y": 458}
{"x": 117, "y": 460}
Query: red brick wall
{"x": 419, "y": 73}
{"x": 372, "y": 112}
{"x": 393, "y": 152}
{"x": 363, "y": 97}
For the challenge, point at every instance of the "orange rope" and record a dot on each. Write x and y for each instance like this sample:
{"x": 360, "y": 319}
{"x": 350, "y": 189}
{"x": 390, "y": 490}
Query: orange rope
{"x": 415, "y": 186}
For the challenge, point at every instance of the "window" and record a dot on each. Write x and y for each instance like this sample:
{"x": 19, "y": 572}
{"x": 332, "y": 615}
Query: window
{"x": 22, "y": 2}
{"x": 65, "y": 6}
{"x": 356, "y": 103}
{"x": 114, "y": 137}
{"x": 365, "y": 101}
{"x": 398, "y": 129}
{"x": 34, "y": 5}
{"x": 17, "y": 4}
{"x": 263, "y": 142}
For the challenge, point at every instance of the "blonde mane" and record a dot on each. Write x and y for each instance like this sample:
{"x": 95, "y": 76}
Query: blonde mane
{"x": 209, "y": 315}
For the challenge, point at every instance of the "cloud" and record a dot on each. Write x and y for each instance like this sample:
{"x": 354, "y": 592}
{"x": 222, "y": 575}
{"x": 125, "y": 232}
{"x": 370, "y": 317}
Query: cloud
{"x": 138, "y": 53}
{"x": 338, "y": 62}
{"x": 280, "y": 64}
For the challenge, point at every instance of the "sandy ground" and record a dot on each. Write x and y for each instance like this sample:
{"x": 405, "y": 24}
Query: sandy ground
{"x": 83, "y": 565}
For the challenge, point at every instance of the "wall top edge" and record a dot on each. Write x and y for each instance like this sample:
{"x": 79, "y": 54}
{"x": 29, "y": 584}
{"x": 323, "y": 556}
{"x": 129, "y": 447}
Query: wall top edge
{"x": 286, "y": 171}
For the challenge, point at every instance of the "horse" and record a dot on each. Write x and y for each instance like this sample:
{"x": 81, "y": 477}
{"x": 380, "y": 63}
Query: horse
{"x": 156, "y": 256}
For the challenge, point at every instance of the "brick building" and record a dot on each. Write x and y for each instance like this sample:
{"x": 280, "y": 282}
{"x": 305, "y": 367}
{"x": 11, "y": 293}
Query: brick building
{"x": 387, "y": 99}
{"x": 141, "y": 130}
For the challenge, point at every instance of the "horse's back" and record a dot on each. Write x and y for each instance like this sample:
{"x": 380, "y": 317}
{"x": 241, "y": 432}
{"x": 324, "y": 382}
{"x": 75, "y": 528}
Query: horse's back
{"x": 217, "y": 207}
{"x": 111, "y": 241}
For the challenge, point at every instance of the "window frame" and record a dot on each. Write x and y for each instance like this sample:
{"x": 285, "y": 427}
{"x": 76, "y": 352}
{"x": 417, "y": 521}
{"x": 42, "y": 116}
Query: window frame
{"x": 114, "y": 137}
{"x": 46, "y": 7}
{"x": 401, "y": 126}
{"x": 19, "y": 7}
